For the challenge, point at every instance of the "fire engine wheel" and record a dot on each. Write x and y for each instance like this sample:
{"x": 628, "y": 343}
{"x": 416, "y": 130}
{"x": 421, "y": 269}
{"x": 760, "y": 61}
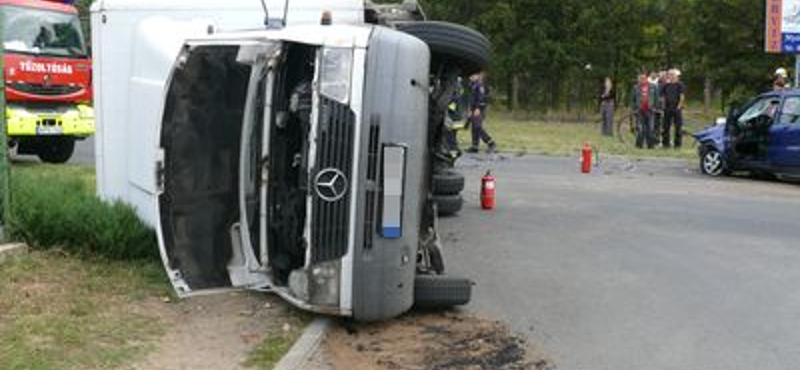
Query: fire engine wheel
{"x": 448, "y": 205}
{"x": 56, "y": 150}
{"x": 452, "y": 45}
{"x": 441, "y": 291}
{"x": 448, "y": 182}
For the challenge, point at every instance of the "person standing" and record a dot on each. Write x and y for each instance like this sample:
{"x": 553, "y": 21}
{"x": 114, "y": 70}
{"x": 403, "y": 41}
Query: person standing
{"x": 644, "y": 100}
{"x": 477, "y": 114}
{"x": 607, "y": 107}
{"x": 658, "y": 79}
{"x": 673, "y": 98}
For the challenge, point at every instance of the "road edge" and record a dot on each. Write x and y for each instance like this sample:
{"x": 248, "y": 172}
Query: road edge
{"x": 305, "y": 347}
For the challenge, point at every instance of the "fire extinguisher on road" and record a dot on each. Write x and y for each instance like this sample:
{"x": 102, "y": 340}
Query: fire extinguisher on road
{"x": 586, "y": 158}
{"x": 487, "y": 190}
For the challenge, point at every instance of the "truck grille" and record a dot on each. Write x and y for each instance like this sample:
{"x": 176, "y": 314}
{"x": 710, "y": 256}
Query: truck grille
{"x": 372, "y": 180}
{"x": 330, "y": 219}
{"x": 40, "y": 89}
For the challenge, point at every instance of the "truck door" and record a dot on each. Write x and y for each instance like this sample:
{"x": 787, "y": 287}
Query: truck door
{"x": 198, "y": 177}
{"x": 784, "y": 137}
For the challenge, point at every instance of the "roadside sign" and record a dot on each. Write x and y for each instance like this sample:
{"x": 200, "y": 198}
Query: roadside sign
{"x": 782, "y": 26}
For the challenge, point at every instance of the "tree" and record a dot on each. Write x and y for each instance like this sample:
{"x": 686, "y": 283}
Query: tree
{"x": 542, "y": 46}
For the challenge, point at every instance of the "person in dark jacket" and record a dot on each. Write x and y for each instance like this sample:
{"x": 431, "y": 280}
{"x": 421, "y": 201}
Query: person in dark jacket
{"x": 644, "y": 101}
{"x": 673, "y": 98}
{"x": 477, "y": 113}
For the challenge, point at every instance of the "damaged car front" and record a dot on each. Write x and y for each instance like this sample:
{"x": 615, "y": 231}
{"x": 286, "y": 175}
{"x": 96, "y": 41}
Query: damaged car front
{"x": 295, "y": 161}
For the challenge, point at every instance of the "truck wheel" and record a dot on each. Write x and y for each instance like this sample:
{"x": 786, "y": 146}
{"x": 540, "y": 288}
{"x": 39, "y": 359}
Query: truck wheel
{"x": 452, "y": 45}
{"x": 448, "y": 205}
{"x": 448, "y": 182}
{"x": 440, "y": 291}
{"x": 56, "y": 150}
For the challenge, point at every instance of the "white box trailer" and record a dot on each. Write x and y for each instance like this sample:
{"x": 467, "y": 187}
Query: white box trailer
{"x": 135, "y": 43}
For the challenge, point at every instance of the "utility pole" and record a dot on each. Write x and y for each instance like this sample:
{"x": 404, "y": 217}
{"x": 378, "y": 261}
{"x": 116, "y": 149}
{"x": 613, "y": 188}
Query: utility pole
{"x": 5, "y": 192}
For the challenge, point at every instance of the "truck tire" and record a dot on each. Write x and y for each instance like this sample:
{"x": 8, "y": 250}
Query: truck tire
{"x": 452, "y": 44}
{"x": 448, "y": 182}
{"x": 56, "y": 149}
{"x": 440, "y": 291}
{"x": 448, "y": 205}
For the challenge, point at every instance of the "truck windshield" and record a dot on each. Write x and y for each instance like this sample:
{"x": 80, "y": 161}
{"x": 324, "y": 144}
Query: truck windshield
{"x": 42, "y": 32}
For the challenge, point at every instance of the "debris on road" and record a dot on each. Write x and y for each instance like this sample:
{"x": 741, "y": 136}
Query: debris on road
{"x": 435, "y": 341}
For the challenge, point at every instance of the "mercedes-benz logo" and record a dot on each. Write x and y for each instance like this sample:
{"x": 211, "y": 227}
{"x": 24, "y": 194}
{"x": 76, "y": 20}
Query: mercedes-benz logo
{"x": 331, "y": 184}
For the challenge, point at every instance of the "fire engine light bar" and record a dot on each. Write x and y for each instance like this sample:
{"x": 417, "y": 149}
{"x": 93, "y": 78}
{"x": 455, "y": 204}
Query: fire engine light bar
{"x": 394, "y": 163}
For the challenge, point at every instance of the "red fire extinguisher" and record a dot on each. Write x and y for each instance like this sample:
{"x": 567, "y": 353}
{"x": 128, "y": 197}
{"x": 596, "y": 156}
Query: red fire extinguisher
{"x": 487, "y": 190}
{"x": 586, "y": 158}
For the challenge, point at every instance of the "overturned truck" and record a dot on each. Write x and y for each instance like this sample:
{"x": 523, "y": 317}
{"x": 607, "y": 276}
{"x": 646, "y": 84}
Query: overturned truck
{"x": 306, "y": 161}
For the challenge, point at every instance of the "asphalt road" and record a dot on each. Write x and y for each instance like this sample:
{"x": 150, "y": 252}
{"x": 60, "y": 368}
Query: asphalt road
{"x": 84, "y": 152}
{"x": 637, "y": 266}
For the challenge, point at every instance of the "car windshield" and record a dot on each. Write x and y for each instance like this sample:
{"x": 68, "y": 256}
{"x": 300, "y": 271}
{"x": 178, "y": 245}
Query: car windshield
{"x": 763, "y": 106}
{"x": 42, "y": 32}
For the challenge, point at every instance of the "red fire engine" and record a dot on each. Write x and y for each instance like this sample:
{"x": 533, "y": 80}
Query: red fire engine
{"x": 48, "y": 78}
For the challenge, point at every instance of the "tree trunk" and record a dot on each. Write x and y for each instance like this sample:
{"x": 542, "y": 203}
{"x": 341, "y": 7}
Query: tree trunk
{"x": 514, "y": 92}
{"x": 708, "y": 91}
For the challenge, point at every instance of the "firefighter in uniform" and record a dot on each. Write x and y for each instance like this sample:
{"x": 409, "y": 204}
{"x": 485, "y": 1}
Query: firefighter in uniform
{"x": 477, "y": 113}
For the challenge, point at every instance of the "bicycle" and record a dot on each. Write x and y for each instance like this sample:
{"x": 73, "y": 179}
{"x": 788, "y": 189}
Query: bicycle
{"x": 631, "y": 130}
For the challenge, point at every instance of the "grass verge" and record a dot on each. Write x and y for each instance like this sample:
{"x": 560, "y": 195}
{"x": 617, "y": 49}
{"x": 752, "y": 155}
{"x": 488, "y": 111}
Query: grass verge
{"x": 279, "y": 341}
{"x": 55, "y": 206}
{"x": 81, "y": 300}
{"x": 61, "y": 313}
{"x": 518, "y": 133}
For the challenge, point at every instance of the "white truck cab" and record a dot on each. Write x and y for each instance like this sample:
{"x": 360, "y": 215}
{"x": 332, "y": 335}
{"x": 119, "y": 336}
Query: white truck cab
{"x": 294, "y": 160}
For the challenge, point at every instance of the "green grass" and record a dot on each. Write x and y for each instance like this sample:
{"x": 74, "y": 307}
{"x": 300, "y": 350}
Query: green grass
{"x": 55, "y": 206}
{"x": 62, "y": 313}
{"x": 518, "y": 133}
{"x": 278, "y": 343}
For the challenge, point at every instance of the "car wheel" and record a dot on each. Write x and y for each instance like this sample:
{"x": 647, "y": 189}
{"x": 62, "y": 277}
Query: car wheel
{"x": 440, "y": 291}
{"x": 452, "y": 44}
{"x": 448, "y": 182}
{"x": 448, "y": 205}
{"x": 712, "y": 162}
{"x": 56, "y": 150}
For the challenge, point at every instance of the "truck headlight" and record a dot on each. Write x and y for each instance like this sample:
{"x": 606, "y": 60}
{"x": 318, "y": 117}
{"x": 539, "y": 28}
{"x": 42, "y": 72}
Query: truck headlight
{"x": 16, "y": 111}
{"x": 86, "y": 112}
{"x": 337, "y": 66}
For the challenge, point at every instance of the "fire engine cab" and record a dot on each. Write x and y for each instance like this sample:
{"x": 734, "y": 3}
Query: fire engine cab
{"x": 48, "y": 78}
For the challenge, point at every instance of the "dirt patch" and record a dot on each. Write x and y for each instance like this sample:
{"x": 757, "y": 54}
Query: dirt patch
{"x": 217, "y": 331}
{"x": 431, "y": 341}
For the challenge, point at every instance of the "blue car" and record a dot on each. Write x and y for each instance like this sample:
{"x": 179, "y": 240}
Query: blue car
{"x": 762, "y": 137}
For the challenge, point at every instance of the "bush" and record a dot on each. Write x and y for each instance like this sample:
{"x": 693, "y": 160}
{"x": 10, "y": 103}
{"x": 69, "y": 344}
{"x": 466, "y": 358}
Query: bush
{"x": 55, "y": 206}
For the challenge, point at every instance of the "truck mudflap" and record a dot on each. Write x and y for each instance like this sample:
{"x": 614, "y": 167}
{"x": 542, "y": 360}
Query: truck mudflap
{"x": 75, "y": 120}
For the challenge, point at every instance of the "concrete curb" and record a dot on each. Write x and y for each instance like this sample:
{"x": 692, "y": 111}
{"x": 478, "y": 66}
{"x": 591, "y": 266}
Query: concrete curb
{"x": 12, "y": 250}
{"x": 305, "y": 347}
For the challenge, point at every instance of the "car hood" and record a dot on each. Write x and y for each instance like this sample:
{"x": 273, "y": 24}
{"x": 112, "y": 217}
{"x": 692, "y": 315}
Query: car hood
{"x": 713, "y": 133}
